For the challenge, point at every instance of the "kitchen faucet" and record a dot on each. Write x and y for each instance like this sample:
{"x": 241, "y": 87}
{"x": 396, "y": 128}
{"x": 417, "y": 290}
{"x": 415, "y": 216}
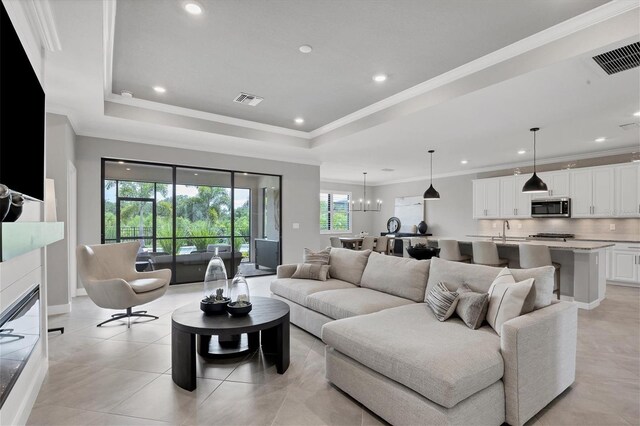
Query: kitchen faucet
{"x": 505, "y": 224}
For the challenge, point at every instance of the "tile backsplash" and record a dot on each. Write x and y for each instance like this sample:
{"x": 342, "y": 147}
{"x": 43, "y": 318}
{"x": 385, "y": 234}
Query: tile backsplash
{"x": 582, "y": 228}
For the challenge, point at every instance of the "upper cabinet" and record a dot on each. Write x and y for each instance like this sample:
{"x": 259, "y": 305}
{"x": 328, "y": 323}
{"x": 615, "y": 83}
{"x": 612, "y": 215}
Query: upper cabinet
{"x": 627, "y": 194}
{"x": 592, "y": 192}
{"x": 486, "y": 198}
{"x": 557, "y": 183}
{"x": 596, "y": 192}
{"x": 513, "y": 202}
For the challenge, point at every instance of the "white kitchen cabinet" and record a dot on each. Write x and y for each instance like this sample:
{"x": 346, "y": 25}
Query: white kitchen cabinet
{"x": 627, "y": 190}
{"x": 592, "y": 192}
{"x": 558, "y": 183}
{"x": 513, "y": 202}
{"x": 486, "y": 198}
{"x": 625, "y": 263}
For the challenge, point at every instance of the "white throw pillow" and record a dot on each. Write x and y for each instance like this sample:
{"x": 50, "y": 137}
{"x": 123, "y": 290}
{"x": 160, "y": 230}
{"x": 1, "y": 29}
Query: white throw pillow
{"x": 507, "y": 299}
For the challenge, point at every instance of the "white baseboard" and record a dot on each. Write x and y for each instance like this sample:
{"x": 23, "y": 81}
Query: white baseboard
{"x": 59, "y": 309}
{"x": 566, "y": 298}
{"x": 81, "y": 292}
{"x": 623, "y": 284}
{"x": 588, "y": 306}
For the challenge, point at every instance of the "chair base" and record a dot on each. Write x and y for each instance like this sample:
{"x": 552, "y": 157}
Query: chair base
{"x": 128, "y": 316}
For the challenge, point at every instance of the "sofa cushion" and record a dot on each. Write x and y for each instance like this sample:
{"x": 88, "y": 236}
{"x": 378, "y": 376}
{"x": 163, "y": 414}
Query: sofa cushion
{"x": 480, "y": 277}
{"x": 445, "y": 362}
{"x": 345, "y": 303}
{"x": 297, "y": 290}
{"x": 507, "y": 301}
{"x": 399, "y": 276}
{"x": 348, "y": 265}
{"x": 142, "y": 285}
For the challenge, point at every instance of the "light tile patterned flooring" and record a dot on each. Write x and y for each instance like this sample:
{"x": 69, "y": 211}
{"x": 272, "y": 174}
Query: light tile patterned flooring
{"x": 118, "y": 376}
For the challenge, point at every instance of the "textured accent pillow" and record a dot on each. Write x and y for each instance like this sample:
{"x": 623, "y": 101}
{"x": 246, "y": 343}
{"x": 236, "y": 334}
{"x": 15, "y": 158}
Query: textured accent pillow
{"x": 472, "y": 306}
{"x": 507, "y": 299}
{"x": 311, "y": 271}
{"x": 316, "y": 257}
{"x": 442, "y": 301}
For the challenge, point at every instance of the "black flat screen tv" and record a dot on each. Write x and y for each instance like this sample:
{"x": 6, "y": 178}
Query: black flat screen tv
{"x": 22, "y": 117}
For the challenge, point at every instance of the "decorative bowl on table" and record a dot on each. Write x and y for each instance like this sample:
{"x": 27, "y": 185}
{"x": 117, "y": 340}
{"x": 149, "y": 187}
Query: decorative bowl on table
{"x": 422, "y": 253}
{"x": 216, "y": 307}
{"x": 238, "y": 309}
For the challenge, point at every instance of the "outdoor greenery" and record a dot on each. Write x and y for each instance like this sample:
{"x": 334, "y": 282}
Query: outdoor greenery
{"x": 201, "y": 219}
{"x": 334, "y": 212}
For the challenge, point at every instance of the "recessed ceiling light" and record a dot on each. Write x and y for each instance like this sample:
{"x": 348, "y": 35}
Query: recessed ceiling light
{"x": 126, "y": 94}
{"x": 305, "y": 48}
{"x": 379, "y": 78}
{"x": 195, "y": 174}
{"x": 522, "y": 151}
{"x": 637, "y": 114}
{"x": 128, "y": 168}
{"x": 193, "y": 8}
{"x": 299, "y": 120}
{"x": 159, "y": 89}
{"x": 120, "y": 162}
{"x": 602, "y": 139}
{"x": 245, "y": 174}
{"x": 464, "y": 162}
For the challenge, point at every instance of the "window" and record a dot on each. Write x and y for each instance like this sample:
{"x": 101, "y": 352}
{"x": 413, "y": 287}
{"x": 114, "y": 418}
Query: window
{"x": 335, "y": 217}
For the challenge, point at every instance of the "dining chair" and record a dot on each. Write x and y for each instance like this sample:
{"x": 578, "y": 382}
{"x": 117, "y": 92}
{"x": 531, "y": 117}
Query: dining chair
{"x": 382, "y": 245}
{"x": 368, "y": 243}
{"x": 335, "y": 242}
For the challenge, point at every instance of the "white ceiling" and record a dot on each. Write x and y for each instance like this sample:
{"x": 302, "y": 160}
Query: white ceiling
{"x": 480, "y": 111}
{"x": 251, "y": 46}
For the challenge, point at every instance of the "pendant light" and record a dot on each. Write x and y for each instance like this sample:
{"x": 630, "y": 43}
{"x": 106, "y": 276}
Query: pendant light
{"x": 431, "y": 193}
{"x": 364, "y": 205}
{"x": 534, "y": 184}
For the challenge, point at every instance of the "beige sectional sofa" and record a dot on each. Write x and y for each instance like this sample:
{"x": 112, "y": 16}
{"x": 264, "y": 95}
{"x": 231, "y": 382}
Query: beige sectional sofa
{"x": 387, "y": 350}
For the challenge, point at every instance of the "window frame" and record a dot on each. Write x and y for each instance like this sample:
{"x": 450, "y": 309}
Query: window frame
{"x": 331, "y": 193}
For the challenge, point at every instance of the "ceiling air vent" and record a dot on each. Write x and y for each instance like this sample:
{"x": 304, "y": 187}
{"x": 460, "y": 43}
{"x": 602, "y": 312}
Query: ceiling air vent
{"x": 247, "y": 99}
{"x": 621, "y": 59}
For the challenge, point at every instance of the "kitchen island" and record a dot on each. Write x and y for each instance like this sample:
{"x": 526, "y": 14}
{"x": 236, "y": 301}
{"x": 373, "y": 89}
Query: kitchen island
{"x": 583, "y": 264}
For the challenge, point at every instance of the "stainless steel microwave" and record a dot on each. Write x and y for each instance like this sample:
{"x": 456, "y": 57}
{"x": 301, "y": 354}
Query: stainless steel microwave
{"x": 551, "y": 207}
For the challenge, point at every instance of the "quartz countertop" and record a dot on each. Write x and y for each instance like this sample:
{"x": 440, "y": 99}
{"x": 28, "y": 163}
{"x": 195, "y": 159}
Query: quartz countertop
{"x": 633, "y": 239}
{"x": 514, "y": 241}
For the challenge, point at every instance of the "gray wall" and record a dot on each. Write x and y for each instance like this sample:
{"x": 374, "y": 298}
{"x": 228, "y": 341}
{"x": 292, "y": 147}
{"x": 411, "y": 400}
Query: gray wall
{"x": 449, "y": 216}
{"x": 300, "y": 186}
{"x": 60, "y": 152}
{"x": 360, "y": 221}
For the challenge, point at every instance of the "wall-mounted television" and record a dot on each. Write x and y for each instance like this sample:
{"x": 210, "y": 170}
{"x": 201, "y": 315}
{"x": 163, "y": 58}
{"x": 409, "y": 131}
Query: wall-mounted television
{"x": 22, "y": 117}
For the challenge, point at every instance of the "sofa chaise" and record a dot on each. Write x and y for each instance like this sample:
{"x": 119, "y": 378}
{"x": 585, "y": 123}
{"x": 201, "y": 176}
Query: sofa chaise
{"x": 387, "y": 350}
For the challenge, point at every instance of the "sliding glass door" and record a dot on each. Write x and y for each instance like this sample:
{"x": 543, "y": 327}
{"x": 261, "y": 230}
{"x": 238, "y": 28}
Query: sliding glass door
{"x": 183, "y": 215}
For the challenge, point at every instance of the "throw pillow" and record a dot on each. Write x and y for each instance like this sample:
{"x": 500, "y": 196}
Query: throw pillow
{"x": 472, "y": 306}
{"x": 318, "y": 257}
{"x": 311, "y": 271}
{"x": 507, "y": 299}
{"x": 442, "y": 301}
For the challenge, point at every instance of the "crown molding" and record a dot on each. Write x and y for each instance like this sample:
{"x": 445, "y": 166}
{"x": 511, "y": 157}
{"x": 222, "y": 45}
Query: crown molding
{"x": 570, "y": 26}
{"x": 187, "y": 112}
{"x": 108, "y": 31}
{"x": 41, "y": 18}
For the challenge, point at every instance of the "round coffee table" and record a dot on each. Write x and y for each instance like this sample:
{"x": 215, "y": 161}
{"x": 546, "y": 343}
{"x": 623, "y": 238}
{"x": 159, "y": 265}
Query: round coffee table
{"x": 267, "y": 325}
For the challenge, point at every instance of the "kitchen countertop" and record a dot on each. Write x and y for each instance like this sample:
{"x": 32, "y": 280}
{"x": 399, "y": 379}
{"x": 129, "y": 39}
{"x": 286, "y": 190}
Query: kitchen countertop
{"x": 598, "y": 238}
{"x": 514, "y": 241}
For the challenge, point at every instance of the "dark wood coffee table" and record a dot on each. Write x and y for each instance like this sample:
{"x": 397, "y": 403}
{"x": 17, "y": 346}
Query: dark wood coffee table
{"x": 267, "y": 325}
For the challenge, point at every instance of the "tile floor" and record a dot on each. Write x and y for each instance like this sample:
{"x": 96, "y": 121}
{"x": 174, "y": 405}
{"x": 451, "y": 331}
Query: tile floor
{"x": 118, "y": 376}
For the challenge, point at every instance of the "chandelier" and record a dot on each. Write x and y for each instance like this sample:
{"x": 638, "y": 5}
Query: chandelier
{"x": 364, "y": 205}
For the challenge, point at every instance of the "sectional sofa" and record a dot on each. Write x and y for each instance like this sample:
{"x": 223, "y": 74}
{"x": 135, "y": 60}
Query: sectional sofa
{"x": 387, "y": 350}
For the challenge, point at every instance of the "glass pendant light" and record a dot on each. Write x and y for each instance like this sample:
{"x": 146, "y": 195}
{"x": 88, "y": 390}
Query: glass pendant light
{"x": 431, "y": 193}
{"x": 534, "y": 184}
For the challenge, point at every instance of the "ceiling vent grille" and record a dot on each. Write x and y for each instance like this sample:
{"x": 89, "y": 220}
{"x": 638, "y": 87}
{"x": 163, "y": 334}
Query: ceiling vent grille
{"x": 621, "y": 59}
{"x": 247, "y": 99}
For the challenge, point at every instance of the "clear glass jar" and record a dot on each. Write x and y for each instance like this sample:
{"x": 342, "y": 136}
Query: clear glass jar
{"x": 215, "y": 279}
{"x": 239, "y": 290}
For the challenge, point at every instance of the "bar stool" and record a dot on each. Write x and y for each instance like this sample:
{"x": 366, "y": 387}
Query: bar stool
{"x": 450, "y": 250}
{"x": 534, "y": 256}
{"x": 486, "y": 253}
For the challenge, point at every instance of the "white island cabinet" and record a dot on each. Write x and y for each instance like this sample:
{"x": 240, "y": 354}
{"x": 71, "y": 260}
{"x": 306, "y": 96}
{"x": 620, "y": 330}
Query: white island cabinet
{"x": 625, "y": 264}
